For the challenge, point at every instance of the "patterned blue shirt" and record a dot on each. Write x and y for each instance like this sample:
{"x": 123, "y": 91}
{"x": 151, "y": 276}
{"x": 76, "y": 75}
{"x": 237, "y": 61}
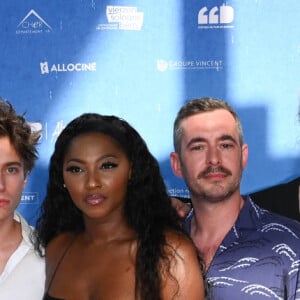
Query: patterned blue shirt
{"x": 259, "y": 258}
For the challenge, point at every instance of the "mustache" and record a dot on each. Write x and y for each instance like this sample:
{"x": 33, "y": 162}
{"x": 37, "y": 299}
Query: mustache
{"x": 211, "y": 170}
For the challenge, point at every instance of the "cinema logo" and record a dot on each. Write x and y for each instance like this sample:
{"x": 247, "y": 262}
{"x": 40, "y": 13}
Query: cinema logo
{"x": 29, "y": 198}
{"x": 78, "y": 67}
{"x": 122, "y": 18}
{"x": 216, "y": 17}
{"x": 165, "y": 65}
{"x": 33, "y": 23}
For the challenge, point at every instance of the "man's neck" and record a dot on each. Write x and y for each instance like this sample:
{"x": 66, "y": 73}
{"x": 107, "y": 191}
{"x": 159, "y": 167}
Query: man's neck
{"x": 10, "y": 238}
{"x": 211, "y": 223}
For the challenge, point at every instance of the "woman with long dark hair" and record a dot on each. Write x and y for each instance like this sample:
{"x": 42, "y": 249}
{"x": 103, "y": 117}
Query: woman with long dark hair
{"x": 107, "y": 224}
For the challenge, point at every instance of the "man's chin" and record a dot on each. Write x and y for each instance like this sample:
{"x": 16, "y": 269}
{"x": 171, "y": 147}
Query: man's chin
{"x": 217, "y": 195}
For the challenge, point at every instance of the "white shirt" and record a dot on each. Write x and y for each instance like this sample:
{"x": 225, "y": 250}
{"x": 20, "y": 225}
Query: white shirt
{"x": 23, "y": 277}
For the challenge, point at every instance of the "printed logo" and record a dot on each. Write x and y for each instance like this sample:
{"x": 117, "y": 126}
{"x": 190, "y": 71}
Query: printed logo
{"x": 216, "y": 17}
{"x": 77, "y": 67}
{"x": 57, "y": 130}
{"x": 47, "y": 134}
{"x": 164, "y": 65}
{"x": 44, "y": 67}
{"x": 36, "y": 127}
{"x": 29, "y": 198}
{"x": 122, "y": 18}
{"x": 179, "y": 192}
{"x": 33, "y": 23}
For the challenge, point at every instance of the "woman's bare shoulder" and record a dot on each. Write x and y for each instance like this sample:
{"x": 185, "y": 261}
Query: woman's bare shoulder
{"x": 184, "y": 267}
{"x": 180, "y": 242}
{"x": 55, "y": 252}
{"x": 58, "y": 244}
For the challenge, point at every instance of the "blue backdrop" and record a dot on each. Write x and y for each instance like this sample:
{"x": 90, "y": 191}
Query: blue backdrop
{"x": 142, "y": 60}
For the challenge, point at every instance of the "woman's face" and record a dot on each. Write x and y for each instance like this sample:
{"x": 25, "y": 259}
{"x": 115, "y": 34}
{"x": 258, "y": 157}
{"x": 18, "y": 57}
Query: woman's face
{"x": 96, "y": 173}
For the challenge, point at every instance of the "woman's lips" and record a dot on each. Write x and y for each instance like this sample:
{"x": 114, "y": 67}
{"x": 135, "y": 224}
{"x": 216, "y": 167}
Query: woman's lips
{"x": 94, "y": 199}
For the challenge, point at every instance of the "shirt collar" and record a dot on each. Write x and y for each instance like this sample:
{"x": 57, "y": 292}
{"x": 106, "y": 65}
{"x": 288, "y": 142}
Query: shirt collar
{"x": 249, "y": 219}
{"x": 27, "y": 230}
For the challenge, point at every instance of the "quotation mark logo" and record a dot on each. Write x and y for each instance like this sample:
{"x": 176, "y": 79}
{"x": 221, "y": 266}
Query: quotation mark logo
{"x": 216, "y": 15}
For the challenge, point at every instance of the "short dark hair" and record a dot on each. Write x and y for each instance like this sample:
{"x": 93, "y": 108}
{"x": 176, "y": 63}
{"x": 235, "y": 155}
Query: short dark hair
{"x": 196, "y": 106}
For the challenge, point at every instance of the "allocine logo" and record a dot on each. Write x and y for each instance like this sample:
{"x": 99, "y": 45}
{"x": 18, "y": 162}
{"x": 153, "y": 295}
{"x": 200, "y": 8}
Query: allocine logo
{"x": 33, "y": 23}
{"x": 216, "y": 17}
{"x": 46, "y": 68}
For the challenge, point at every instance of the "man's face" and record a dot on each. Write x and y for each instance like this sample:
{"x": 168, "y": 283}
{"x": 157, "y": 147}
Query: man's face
{"x": 12, "y": 179}
{"x": 211, "y": 159}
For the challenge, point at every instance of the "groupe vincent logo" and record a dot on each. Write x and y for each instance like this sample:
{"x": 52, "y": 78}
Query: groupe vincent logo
{"x": 163, "y": 65}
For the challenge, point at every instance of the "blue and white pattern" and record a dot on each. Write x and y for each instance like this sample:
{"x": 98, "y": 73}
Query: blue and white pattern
{"x": 258, "y": 259}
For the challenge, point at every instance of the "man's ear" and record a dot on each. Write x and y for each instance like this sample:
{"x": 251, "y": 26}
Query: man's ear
{"x": 175, "y": 164}
{"x": 25, "y": 179}
{"x": 244, "y": 155}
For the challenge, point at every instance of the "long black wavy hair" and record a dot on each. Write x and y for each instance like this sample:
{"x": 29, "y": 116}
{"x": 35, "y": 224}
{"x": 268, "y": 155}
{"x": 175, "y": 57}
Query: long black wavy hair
{"x": 147, "y": 205}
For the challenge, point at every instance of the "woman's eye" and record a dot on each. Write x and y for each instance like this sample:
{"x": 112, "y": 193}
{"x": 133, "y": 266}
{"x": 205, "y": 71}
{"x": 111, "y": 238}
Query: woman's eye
{"x": 74, "y": 169}
{"x": 108, "y": 165}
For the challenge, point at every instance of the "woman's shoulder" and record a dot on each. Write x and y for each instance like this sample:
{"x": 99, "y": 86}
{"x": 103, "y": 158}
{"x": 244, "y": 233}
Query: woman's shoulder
{"x": 180, "y": 242}
{"x": 182, "y": 251}
{"x": 184, "y": 267}
{"x": 58, "y": 244}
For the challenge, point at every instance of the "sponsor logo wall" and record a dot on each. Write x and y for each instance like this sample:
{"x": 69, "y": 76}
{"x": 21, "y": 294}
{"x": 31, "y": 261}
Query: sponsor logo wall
{"x": 142, "y": 61}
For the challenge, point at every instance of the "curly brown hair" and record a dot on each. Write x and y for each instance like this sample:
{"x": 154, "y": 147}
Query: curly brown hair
{"x": 19, "y": 132}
